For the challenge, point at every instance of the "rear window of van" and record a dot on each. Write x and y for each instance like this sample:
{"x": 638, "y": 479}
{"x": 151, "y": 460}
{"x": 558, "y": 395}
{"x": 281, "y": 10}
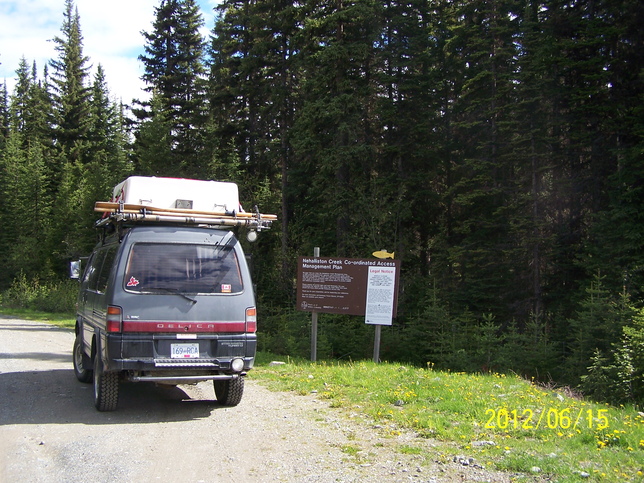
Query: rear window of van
{"x": 160, "y": 267}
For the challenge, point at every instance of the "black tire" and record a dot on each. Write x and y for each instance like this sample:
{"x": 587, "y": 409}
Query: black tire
{"x": 106, "y": 387}
{"x": 80, "y": 360}
{"x": 230, "y": 391}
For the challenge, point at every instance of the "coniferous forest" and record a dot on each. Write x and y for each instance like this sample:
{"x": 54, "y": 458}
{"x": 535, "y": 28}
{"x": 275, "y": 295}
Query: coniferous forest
{"x": 496, "y": 146}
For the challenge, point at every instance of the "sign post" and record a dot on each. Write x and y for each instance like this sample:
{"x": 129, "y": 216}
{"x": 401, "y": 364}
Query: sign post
{"x": 376, "y": 344}
{"x": 314, "y": 321}
{"x": 381, "y": 293}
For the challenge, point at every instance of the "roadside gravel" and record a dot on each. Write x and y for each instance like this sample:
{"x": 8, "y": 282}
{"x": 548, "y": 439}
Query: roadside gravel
{"x": 50, "y": 431}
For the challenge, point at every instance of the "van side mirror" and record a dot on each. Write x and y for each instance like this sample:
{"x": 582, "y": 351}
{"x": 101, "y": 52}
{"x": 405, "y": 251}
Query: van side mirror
{"x": 75, "y": 269}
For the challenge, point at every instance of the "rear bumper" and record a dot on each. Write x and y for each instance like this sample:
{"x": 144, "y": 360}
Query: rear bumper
{"x": 183, "y": 379}
{"x": 150, "y": 355}
{"x": 195, "y": 366}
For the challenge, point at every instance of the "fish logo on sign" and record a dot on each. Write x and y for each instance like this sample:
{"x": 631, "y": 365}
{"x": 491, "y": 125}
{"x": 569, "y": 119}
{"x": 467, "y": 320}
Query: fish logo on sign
{"x": 383, "y": 254}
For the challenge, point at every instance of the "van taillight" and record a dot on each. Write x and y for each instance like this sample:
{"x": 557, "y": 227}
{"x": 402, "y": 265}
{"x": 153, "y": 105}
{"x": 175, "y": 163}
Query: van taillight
{"x": 251, "y": 319}
{"x": 114, "y": 319}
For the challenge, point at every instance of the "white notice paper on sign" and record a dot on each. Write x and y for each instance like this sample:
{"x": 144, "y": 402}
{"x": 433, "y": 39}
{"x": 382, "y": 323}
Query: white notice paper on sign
{"x": 381, "y": 283}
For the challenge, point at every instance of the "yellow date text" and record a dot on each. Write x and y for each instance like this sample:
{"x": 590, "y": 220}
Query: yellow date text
{"x": 546, "y": 418}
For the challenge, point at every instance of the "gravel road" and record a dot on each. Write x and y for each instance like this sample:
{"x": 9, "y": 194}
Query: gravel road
{"x": 50, "y": 431}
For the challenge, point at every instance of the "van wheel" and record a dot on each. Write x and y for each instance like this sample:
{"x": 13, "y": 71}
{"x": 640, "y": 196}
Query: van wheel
{"x": 230, "y": 391}
{"x": 106, "y": 387}
{"x": 80, "y": 361}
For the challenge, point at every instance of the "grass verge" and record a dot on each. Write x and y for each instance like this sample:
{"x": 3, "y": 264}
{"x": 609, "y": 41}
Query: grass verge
{"x": 502, "y": 421}
{"x": 60, "y": 320}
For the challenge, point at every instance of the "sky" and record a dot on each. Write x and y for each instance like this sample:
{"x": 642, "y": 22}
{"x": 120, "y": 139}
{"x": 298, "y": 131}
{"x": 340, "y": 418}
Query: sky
{"x": 111, "y": 37}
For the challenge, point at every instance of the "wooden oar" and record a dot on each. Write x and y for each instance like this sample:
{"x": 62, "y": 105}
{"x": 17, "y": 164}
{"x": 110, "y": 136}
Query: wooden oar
{"x": 111, "y": 207}
{"x": 226, "y": 221}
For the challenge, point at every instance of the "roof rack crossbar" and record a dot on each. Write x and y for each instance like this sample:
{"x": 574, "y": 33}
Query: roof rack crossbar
{"x": 128, "y": 212}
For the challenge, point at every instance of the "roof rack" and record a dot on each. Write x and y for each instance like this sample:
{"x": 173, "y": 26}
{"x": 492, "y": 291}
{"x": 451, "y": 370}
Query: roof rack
{"x": 119, "y": 211}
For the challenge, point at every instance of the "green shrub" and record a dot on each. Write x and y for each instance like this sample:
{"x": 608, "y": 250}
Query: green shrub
{"x": 619, "y": 377}
{"x": 54, "y": 296}
{"x": 629, "y": 356}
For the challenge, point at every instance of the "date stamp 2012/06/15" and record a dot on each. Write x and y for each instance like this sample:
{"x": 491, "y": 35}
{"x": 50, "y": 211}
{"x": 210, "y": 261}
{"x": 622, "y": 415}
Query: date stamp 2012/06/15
{"x": 546, "y": 418}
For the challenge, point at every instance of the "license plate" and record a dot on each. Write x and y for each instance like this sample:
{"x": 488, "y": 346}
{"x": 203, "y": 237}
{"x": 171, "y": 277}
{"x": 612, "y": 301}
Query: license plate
{"x": 184, "y": 351}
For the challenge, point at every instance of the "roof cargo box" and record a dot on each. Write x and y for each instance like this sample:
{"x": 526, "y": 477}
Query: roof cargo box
{"x": 178, "y": 193}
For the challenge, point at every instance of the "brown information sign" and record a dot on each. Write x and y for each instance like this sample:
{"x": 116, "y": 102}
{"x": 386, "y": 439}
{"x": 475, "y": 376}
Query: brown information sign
{"x": 340, "y": 285}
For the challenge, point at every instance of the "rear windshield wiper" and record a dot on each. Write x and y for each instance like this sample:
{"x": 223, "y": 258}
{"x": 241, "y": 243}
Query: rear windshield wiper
{"x": 227, "y": 241}
{"x": 173, "y": 291}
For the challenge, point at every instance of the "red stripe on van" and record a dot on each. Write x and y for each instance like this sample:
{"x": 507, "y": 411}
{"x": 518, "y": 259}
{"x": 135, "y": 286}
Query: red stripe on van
{"x": 183, "y": 327}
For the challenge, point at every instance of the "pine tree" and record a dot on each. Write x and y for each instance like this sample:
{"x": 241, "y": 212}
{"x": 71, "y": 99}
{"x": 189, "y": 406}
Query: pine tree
{"x": 333, "y": 133}
{"x": 154, "y": 142}
{"x": 26, "y": 185}
{"x": 252, "y": 100}
{"x": 20, "y": 98}
{"x": 73, "y": 116}
{"x": 175, "y": 73}
{"x": 483, "y": 185}
{"x": 619, "y": 253}
{"x": 236, "y": 81}
{"x": 4, "y": 115}
{"x": 31, "y": 111}
{"x": 26, "y": 209}
{"x": 597, "y": 325}
{"x": 108, "y": 136}
{"x": 71, "y": 94}
{"x": 107, "y": 160}
{"x": 629, "y": 356}
{"x": 617, "y": 377}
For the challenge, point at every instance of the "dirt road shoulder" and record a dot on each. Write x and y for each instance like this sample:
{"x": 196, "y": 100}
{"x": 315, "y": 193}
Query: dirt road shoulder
{"x": 50, "y": 431}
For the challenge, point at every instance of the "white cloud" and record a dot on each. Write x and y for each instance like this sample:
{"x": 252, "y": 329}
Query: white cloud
{"x": 111, "y": 37}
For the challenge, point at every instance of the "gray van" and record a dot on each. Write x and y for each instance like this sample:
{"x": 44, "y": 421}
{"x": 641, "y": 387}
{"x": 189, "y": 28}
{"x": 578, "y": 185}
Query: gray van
{"x": 170, "y": 303}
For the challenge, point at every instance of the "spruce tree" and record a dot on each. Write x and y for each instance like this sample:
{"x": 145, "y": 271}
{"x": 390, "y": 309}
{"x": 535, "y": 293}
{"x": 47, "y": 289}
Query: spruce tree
{"x": 498, "y": 144}
{"x": 619, "y": 253}
{"x": 175, "y": 73}
{"x": 530, "y": 239}
{"x": 26, "y": 210}
{"x": 154, "y": 142}
{"x": 20, "y": 98}
{"x": 251, "y": 84}
{"x": 629, "y": 356}
{"x": 4, "y": 115}
{"x": 26, "y": 183}
{"x": 252, "y": 100}
{"x": 235, "y": 81}
{"x": 483, "y": 185}
{"x": 31, "y": 111}
{"x": 71, "y": 94}
{"x": 596, "y": 326}
{"x": 43, "y": 117}
{"x": 71, "y": 97}
{"x": 333, "y": 134}
{"x": 106, "y": 163}
{"x": 108, "y": 136}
